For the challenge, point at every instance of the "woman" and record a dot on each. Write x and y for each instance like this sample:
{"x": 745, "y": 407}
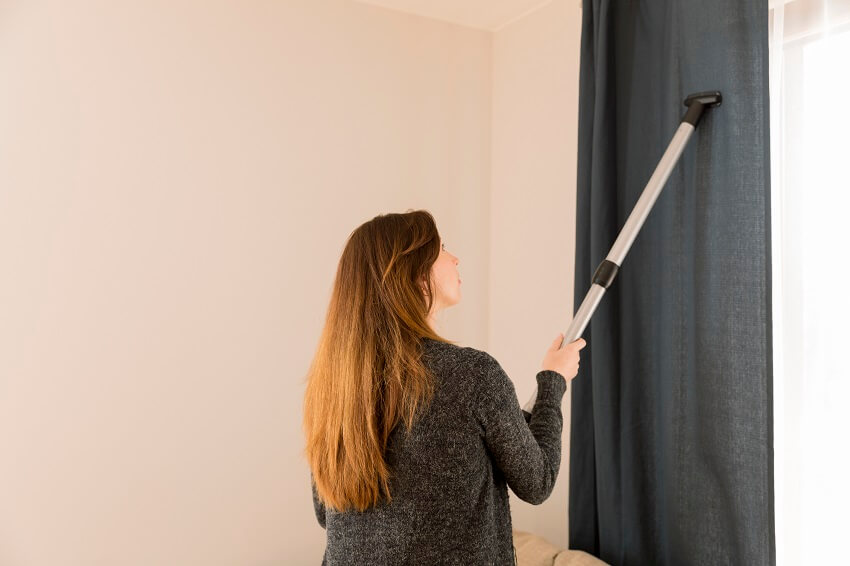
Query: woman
{"x": 412, "y": 440}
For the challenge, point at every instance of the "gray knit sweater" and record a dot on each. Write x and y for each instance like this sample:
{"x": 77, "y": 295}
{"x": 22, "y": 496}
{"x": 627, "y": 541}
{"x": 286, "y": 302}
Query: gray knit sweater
{"x": 451, "y": 471}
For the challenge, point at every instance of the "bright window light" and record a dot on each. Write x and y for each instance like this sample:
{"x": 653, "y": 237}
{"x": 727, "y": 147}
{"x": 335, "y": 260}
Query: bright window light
{"x": 810, "y": 194}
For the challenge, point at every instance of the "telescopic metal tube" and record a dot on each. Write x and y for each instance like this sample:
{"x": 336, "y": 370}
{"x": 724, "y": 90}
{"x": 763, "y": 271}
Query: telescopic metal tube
{"x": 607, "y": 270}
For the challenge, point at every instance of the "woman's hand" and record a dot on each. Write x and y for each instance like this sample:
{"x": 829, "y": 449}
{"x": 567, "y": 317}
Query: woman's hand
{"x": 563, "y": 360}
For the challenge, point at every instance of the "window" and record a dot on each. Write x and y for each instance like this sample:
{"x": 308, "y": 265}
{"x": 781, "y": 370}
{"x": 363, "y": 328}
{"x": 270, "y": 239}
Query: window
{"x": 810, "y": 194}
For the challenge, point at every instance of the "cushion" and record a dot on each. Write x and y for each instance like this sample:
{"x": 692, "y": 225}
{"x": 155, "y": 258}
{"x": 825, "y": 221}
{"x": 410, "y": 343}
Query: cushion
{"x": 534, "y": 550}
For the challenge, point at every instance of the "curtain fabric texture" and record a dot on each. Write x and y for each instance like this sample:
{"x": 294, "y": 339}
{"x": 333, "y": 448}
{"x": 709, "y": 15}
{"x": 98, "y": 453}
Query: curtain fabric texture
{"x": 671, "y": 455}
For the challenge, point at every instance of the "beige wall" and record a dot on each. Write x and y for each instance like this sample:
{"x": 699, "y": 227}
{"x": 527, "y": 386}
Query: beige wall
{"x": 532, "y": 207}
{"x": 177, "y": 180}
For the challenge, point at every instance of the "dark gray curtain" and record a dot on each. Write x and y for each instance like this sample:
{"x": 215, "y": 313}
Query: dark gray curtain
{"x": 671, "y": 456}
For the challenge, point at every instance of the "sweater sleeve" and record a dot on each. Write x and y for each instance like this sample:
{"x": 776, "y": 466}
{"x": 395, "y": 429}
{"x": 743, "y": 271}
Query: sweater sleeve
{"x": 525, "y": 447}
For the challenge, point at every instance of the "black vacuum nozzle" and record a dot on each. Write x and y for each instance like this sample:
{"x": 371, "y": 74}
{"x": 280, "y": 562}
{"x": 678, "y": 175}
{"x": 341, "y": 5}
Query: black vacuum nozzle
{"x": 711, "y": 98}
{"x": 698, "y": 102}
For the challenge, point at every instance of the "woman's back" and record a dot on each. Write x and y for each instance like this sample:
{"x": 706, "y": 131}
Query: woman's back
{"x": 452, "y": 469}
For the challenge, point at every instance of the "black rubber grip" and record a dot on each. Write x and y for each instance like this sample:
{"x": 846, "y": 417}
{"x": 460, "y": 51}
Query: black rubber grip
{"x": 693, "y": 114}
{"x": 605, "y": 273}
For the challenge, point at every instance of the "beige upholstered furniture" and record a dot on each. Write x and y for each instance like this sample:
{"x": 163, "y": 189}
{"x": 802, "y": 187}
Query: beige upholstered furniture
{"x": 532, "y": 550}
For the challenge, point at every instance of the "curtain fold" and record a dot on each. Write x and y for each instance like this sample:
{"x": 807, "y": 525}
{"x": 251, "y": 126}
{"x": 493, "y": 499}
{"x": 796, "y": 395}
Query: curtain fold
{"x": 671, "y": 454}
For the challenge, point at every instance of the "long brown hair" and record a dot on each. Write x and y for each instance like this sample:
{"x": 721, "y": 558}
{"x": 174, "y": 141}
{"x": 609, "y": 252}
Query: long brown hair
{"x": 367, "y": 374}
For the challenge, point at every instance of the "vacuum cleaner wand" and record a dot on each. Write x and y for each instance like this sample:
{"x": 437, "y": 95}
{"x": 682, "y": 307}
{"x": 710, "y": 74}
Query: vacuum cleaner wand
{"x": 606, "y": 272}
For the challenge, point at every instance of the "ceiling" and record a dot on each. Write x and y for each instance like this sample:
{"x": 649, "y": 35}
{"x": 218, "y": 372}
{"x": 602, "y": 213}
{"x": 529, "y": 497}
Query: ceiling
{"x": 483, "y": 14}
